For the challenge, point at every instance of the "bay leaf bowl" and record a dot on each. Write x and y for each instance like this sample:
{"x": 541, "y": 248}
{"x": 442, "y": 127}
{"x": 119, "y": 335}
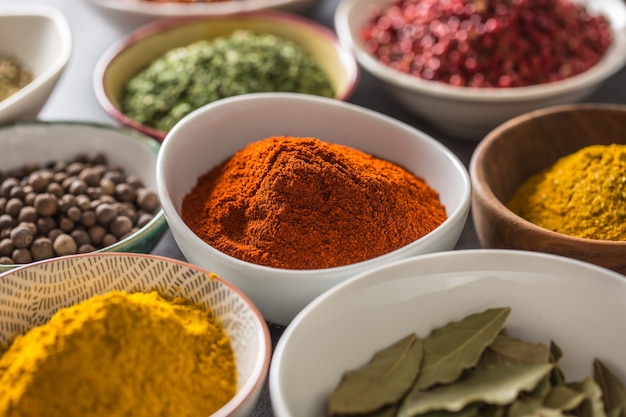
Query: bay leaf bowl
{"x": 130, "y": 54}
{"x": 524, "y": 146}
{"x": 578, "y": 305}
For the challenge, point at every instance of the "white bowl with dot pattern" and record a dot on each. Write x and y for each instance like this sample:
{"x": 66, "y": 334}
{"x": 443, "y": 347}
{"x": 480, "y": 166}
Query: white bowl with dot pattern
{"x": 31, "y": 294}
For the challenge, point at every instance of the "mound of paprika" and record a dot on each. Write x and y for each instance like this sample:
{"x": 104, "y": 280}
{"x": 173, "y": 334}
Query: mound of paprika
{"x": 301, "y": 203}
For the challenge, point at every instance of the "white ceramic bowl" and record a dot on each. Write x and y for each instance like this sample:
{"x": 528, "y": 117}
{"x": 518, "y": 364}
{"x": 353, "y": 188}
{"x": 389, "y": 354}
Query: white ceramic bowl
{"x": 576, "y": 304}
{"x": 30, "y": 295}
{"x": 39, "y": 38}
{"x": 204, "y": 8}
{"x": 215, "y": 132}
{"x": 470, "y": 113}
{"x": 35, "y": 141}
{"x": 129, "y": 55}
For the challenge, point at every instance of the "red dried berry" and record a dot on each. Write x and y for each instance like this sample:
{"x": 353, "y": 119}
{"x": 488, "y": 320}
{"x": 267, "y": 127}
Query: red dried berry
{"x": 487, "y": 43}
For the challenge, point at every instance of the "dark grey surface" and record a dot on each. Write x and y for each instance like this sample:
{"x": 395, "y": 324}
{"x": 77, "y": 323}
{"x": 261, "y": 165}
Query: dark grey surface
{"x": 94, "y": 29}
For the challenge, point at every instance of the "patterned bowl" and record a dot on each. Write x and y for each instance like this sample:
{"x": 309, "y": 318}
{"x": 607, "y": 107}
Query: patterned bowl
{"x": 31, "y": 294}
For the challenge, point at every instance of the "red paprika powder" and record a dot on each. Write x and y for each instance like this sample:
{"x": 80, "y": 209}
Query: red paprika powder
{"x": 301, "y": 203}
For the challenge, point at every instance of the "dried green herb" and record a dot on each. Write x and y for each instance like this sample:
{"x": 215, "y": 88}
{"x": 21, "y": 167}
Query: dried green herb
{"x": 508, "y": 377}
{"x": 592, "y": 405}
{"x": 188, "y": 77}
{"x": 383, "y": 381}
{"x": 564, "y": 398}
{"x": 613, "y": 388}
{"x": 511, "y": 349}
{"x": 491, "y": 384}
{"x": 459, "y": 345}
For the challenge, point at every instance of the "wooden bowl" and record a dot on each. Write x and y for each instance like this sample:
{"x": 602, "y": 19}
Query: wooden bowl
{"x": 525, "y": 145}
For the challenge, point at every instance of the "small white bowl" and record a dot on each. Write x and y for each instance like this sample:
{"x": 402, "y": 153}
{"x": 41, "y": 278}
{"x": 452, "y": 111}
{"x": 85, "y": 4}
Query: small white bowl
{"x": 39, "y": 38}
{"x": 30, "y": 295}
{"x": 470, "y": 113}
{"x": 215, "y": 132}
{"x": 576, "y": 304}
{"x": 36, "y": 141}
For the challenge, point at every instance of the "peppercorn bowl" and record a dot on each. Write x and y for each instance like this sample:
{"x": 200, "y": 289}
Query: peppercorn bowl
{"x": 214, "y": 132}
{"x": 71, "y": 187}
{"x": 31, "y": 294}
{"x": 35, "y": 39}
{"x": 465, "y": 111}
{"x": 125, "y": 59}
{"x": 551, "y": 298}
{"x": 527, "y": 145}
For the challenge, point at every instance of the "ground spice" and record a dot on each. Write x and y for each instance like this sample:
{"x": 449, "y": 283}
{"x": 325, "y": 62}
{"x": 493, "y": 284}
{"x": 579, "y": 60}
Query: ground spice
{"x": 119, "y": 354}
{"x": 188, "y": 77}
{"x": 13, "y": 76}
{"x": 301, "y": 203}
{"x": 582, "y": 194}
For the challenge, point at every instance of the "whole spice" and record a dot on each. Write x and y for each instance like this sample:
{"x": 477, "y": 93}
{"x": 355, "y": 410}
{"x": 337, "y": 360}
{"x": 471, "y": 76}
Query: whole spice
{"x": 473, "y": 367}
{"x": 583, "y": 194}
{"x": 120, "y": 354}
{"x": 67, "y": 207}
{"x": 13, "y": 76}
{"x": 301, "y": 203}
{"x": 488, "y": 43}
{"x": 189, "y": 77}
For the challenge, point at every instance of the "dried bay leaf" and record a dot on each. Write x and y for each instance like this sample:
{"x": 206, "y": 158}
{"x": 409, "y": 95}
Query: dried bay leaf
{"x": 491, "y": 410}
{"x": 472, "y": 410}
{"x": 383, "y": 381}
{"x": 531, "y": 408}
{"x": 592, "y": 405}
{"x": 557, "y": 377}
{"x": 498, "y": 385}
{"x": 506, "y": 348}
{"x": 457, "y": 346}
{"x": 613, "y": 389}
{"x": 564, "y": 398}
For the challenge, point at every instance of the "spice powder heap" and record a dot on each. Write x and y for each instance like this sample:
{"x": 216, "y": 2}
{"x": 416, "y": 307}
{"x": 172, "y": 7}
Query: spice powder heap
{"x": 120, "y": 354}
{"x": 301, "y": 203}
{"x": 583, "y": 194}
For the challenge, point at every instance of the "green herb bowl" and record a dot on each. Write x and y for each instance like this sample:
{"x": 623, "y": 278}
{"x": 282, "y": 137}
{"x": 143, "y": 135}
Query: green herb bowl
{"x": 578, "y": 305}
{"x": 126, "y": 57}
{"x": 524, "y": 146}
{"x": 41, "y": 142}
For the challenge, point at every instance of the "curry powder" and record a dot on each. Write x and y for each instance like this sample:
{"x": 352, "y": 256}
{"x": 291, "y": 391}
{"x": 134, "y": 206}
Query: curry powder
{"x": 120, "y": 354}
{"x": 302, "y": 203}
{"x": 583, "y": 194}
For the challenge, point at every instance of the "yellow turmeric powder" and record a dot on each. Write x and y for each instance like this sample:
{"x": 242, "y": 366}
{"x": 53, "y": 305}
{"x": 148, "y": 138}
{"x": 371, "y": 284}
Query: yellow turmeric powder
{"x": 120, "y": 354}
{"x": 583, "y": 194}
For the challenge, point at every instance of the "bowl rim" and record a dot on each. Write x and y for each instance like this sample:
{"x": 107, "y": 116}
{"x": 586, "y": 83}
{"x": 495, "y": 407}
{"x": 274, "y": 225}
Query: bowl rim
{"x": 452, "y": 219}
{"x": 62, "y": 27}
{"x": 276, "y": 384}
{"x": 262, "y": 361}
{"x": 151, "y": 29}
{"x": 482, "y": 190}
{"x": 157, "y": 226}
{"x": 611, "y": 62}
{"x": 153, "y": 9}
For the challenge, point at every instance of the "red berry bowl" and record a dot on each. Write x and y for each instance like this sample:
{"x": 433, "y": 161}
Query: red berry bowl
{"x": 465, "y": 69}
